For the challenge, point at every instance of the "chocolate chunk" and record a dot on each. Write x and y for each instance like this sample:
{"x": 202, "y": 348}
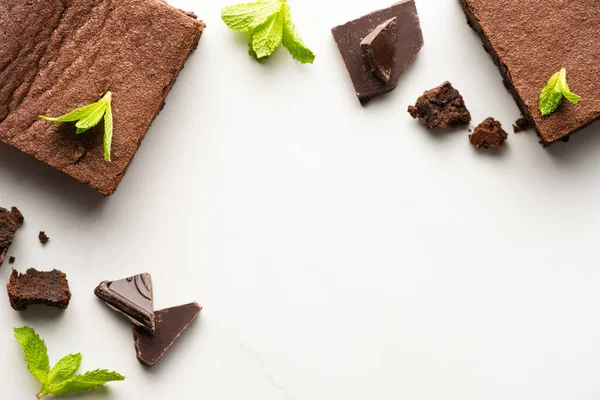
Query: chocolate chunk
{"x": 58, "y": 55}
{"x": 517, "y": 34}
{"x": 488, "y": 134}
{"x": 10, "y": 221}
{"x": 11, "y": 260}
{"x": 379, "y": 49}
{"x": 441, "y": 107}
{"x": 522, "y": 124}
{"x": 43, "y": 237}
{"x": 170, "y": 324}
{"x": 38, "y": 287}
{"x": 131, "y": 297}
{"x": 379, "y": 58}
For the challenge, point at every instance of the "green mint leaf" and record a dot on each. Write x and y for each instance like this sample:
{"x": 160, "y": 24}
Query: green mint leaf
{"x": 246, "y": 17}
{"x": 552, "y": 94}
{"x": 108, "y": 130}
{"x": 75, "y": 115}
{"x": 89, "y": 116}
{"x": 292, "y": 40}
{"x": 36, "y": 354}
{"x": 267, "y": 36}
{"x": 64, "y": 368}
{"x": 82, "y": 383}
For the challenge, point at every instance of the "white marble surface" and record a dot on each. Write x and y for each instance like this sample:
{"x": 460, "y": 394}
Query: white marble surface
{"x": 340, "y": 252}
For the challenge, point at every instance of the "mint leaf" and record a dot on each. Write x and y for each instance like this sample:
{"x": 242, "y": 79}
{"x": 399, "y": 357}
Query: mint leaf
{"x": 552, "y": 94}
{"x": 36, "y": 354}
{"x": 246, "y": 17}
{"x": 292, "y": 40}
{"x": 89, "y": 116}
{"x": 64, "y": 368}
{"x": 267, "y": 36}
{"x": 82, "y": 383}
{"x": 57, "y": 381}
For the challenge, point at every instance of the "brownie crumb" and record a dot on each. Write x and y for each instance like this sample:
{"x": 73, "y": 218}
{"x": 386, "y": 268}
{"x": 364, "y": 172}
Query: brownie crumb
{"x": 12, "y": 260}
{"x": 488, "y": 134}
{"x": 38, "y": 287}
{"x": 441, "y": 107}
{"x": 43, "y": 237}
{"x": 520, "y": 125}
{"x": 10, "y": 221}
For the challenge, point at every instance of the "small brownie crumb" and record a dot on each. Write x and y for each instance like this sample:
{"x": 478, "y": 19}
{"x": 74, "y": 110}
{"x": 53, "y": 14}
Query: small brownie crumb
{"x": 11, "y": 260}
{"x": 10, "y": 221}
{"x": 38, "y": 287}
{"x": 43, "y": 237}
{"x": 488, "y": 134}
{"x": 522, "y": 124}
{"x": 442, "y": 107}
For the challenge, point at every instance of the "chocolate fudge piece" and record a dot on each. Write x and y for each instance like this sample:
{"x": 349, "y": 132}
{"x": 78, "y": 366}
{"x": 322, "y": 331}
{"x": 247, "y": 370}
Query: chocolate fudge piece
{"x": 132, "y": 297}
{"x": 378, "y": 47}
{"x": 441, "y": 107}
{"x": 170, "y": 324}
{"x": 38, "y": 287}
{"x": 529, "y": 43}
{"x": 10, "y": 221}
{"x": 488, "y": 134}
{"x": 58, "y": 55}
{"x": 43, "y": 238}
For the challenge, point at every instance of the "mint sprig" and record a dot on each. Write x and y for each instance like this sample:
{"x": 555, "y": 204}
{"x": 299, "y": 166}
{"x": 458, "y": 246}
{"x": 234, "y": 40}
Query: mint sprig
{"x": 270, "y": 24}
{"x": 89, "y": 116}
{"x": 59, "y": 380}
{"x": 553, "y": 93}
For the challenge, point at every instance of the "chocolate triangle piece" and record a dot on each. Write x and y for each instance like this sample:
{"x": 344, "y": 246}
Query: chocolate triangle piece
{"x": 170, "y": 324}
{"x": 131, "y": 297}
{"x": 408, "y": 43}
{"x": 10, "y": 221}
{"x": 379, "y": 49}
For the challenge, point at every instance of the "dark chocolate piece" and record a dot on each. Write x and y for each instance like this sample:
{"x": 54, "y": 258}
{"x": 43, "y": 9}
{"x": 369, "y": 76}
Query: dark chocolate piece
{"x": 10, "y": 221}
{"x": 132, "y": 297}
{"x": 170, "y": 324}
{"x": 408, "y": 42}
{"x": 527, "y": 41}
{"x": 441, "y": 107}
{"x": 488, "y": 134}
{"x": 59, "y": 55}
{"x": 379, "y": 49}
{"x": 49, "y": 288}
{"x": 522, "y": 124}
{"x": 43, "y": 237}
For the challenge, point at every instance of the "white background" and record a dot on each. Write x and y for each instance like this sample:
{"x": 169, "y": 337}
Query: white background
{"x": 339, "y": 252}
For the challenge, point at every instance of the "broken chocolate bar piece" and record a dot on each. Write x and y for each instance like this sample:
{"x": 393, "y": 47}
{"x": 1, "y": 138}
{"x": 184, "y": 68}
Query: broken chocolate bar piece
{"x": 49, "y": 288}
{"x": 59, "y": 55}
{"x": 379, "y": 49}
{"x": 132, "y": 297}
{"x": 10, "y": 221}
{"x": 528, "y": 43}
{"x": 488, "y": 134}
{"x": 441, "y": 107}
{"x": 374, "y": 63}
{"x": 170, "y": 324}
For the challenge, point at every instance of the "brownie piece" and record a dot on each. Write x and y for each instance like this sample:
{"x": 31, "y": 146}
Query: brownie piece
{"x": 441, "y": 107}
{"x": 520, "y": 125}
{"x": 488, "y": 134}
{"x": 38, "y": 287}
{"x": 43, "y": 238}
{"x": 532, "y": 40}
{"x": 58, "y": 55}
{"x": 10, "y": 221}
